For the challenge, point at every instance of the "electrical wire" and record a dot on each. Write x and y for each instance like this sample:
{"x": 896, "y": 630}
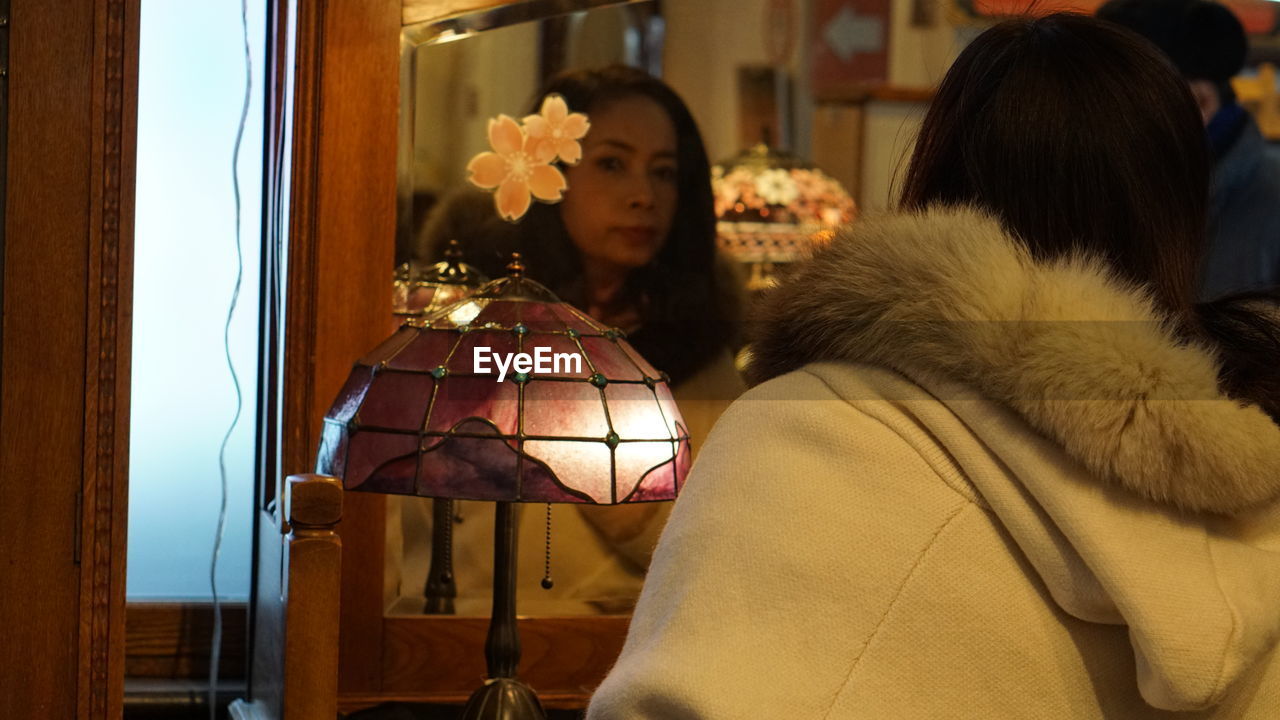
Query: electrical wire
{"x": 216, "y": 643}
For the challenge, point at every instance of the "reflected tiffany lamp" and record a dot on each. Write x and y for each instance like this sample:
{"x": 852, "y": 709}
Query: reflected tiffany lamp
{"x": 416, "y": 418}
{"x": 419, "y": 291}
{"x": 773, "y": 209}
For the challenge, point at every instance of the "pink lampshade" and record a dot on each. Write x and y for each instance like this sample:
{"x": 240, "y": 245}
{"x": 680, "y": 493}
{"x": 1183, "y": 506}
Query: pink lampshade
{"x": 416, "y": 417}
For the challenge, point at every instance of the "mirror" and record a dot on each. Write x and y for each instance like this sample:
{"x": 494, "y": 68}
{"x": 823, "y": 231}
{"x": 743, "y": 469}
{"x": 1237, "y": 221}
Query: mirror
{"x": 458, "y": 73}
{"x": 455, "y": 76}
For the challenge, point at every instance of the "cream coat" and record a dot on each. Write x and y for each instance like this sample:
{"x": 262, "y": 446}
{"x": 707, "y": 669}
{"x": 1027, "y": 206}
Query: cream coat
{"x": 977, "y": 486}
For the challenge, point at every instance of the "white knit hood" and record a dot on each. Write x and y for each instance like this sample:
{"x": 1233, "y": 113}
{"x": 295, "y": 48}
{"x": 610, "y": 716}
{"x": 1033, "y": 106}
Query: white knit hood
{"x": 1135, "y": 450}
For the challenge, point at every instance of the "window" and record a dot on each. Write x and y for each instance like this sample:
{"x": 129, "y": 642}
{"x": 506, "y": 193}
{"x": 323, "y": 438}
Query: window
{"x": 190, "y": 91}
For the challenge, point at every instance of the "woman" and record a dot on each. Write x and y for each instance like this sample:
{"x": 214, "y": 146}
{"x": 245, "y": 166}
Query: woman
{"x": 1001, "y": 465}
{"x": 632, "y": 244}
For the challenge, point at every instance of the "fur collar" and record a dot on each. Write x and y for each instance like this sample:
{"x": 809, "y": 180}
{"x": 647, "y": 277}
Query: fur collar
{"x": 1082, "y": 356}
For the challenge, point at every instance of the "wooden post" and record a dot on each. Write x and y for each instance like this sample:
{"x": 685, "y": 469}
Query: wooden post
{"x": 302, "y": 683}
{"x": 314, "y": 572}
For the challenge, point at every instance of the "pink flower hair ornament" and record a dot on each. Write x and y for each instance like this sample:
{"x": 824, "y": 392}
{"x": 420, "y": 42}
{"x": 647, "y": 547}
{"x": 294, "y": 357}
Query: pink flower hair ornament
{"x": 519, "y": 166}
{"x": 557, "y": 130}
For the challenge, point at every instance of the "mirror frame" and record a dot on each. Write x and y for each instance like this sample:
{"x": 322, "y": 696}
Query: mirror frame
{"x": 330, "y": 206}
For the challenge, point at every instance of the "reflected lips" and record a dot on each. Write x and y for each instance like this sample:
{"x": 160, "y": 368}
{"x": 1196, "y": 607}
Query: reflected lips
{"x": 639, "y": 234}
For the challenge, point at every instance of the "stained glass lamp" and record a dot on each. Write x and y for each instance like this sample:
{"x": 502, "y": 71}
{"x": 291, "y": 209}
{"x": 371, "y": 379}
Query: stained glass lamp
{"x": 772, "y": 208}
{"x": 484, "y": 400}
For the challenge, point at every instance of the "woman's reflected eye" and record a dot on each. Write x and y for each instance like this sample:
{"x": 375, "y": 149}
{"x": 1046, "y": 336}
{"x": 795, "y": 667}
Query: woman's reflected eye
{"x": 666, "y": 173}
{"x": 609, "y": 163}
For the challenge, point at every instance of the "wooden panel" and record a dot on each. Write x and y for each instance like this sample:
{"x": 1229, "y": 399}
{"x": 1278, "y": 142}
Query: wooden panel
{"x": 43, "y": 384}
{"x": 172, "y": 640}
{"x": 341, "y": 254}
{"x": 441, "y": 659}
{"x": 364, "y": 540}
{"x": 837, "y": 144}
{"x": 894, "y": 93}
{"x": 356, "y": 193}
{"x": 356, "y": 252}
{"x": 64, "y": 378}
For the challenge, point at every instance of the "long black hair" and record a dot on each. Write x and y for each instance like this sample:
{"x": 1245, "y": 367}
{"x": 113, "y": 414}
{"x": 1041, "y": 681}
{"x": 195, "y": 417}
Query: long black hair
{"x": 1081, "y": 136}
{"x": 688, "y": 301}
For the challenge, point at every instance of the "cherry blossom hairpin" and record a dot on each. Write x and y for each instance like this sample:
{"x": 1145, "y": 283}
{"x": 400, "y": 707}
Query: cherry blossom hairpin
{"x": 520, "y": 165}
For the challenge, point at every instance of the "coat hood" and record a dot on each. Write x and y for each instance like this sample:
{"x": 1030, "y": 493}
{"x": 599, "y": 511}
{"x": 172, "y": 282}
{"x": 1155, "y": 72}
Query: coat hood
{"x": 1140, "y": 494}
{"x": 1082, "y": 356}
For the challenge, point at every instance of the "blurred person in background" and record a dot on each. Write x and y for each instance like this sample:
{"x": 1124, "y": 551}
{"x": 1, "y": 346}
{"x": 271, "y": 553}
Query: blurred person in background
{"x": 1207, "y": 44}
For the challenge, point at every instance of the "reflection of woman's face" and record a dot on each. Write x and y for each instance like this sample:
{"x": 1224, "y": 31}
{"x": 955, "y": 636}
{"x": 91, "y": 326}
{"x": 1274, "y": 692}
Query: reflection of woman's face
{"x": 622, "y": 194}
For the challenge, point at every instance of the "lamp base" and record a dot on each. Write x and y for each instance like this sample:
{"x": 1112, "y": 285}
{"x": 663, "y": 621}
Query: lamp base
{"x": 504, "y": 699}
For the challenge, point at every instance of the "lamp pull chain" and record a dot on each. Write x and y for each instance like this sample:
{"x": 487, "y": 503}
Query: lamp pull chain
{"x": 547, "y": 583}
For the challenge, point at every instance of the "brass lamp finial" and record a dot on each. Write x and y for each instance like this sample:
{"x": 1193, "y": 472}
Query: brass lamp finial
{"x": 515, "y": 268}
{"x": 453, "y": 253}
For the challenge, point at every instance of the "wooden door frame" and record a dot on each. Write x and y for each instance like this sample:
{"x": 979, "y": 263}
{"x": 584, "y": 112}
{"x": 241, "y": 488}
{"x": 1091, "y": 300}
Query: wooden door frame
{"x": 340, "y": 256}
{"x": 331, "y": 205}
{"x": 71, "y": 93}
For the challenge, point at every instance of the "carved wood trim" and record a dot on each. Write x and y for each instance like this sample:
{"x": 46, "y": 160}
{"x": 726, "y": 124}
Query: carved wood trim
{"x": 108, "y": 315}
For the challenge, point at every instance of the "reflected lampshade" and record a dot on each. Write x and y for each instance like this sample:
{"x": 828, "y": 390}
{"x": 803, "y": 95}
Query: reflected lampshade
{"x": 583, "y": 418}
{"x": 773, "y": 208}
{"x": 422, "y": 290}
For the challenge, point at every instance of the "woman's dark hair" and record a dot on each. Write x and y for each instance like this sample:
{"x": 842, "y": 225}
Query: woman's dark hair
{"x": 1081, "y": 137}
{"x": 688, "y": 302}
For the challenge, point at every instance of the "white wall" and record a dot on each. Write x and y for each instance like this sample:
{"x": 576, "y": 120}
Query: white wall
{"x": 890, "y": 130}
{"x": 918, "y": 58}
{"x": 709, "y": 39}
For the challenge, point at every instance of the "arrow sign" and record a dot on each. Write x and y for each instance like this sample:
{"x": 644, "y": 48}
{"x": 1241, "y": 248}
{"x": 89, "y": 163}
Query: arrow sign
{"x": 848, "y": 33}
